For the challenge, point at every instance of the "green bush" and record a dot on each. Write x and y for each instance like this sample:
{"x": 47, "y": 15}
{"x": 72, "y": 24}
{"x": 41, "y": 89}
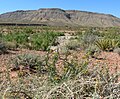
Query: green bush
{"x": 44, "y": 40}
{"x": 38, "y": 41}
{"x": 19, "y": 38}
{"x": 29, "y": 61}
{"x": 87, "y": 39}
{"x": 71, "y": 68}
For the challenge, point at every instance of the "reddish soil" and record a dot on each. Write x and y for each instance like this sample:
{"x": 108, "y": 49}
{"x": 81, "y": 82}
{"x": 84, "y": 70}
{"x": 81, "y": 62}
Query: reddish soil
{"x": 5, "y": 61}
{"x": 110, "y": 59}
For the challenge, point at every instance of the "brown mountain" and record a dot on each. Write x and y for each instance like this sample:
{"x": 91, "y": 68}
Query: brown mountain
{"x": 59, "y": 17}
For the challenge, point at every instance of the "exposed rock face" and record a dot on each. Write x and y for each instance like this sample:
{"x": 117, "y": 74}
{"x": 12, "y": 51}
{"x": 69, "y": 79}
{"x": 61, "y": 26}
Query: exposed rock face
{"x": 59, "y": 17}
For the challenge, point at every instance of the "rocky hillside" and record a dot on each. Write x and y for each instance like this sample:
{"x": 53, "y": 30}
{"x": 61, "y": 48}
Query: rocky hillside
{"x": 59, "y": 17}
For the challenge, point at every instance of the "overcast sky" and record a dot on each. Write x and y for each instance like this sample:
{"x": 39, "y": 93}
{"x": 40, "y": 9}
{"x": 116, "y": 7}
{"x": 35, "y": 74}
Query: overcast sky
{"x": 101, "y": 6}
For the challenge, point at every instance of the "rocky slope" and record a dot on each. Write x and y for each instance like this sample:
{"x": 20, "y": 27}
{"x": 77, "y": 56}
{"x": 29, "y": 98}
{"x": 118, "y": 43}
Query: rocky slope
{"x": 59, "y": 17}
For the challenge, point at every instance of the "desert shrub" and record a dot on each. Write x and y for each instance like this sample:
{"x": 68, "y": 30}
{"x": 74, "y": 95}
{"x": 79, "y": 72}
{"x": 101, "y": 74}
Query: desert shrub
{"x": 70, "y": 68}
{"x": 112, "y": 33}
{"x": 87, "y": 39}
{"x": 38, "y": 40}
{"x": 44, "y": 40}
{"x": 117, "y": 50}
{"x": 11, "y": 45}
{"x": 28, "y": 30}
{"x": 19, "y": 38}
{"x": 76, "y": 81}
{"x": 30, "y": 61}
{"x": 92, "y": 51}
{"x": 111, "y": 36}
{"x": 107, "y": 44}
{"x": 73, "y": 45}
{"x": 63, "y": 50}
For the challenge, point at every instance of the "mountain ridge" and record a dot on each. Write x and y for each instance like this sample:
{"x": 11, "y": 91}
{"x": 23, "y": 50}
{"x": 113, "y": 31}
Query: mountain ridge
{"x": 60, "y": 17}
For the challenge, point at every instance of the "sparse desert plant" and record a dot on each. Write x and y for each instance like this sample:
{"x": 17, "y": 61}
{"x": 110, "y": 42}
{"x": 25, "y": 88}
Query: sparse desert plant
{"x": 1, "y": 37}
{"x": 11, "y": 45}
{"x": 92, "y": 51}
{"x": 87, "y": 39}
{"x": 30, "y": 61}
{"x": 88, "y": 86}
{"x": 73, "y": 45}
{"x": 71, "y": 67}
{"x": 63, "y": 50}
{"x": 107, "y": 44}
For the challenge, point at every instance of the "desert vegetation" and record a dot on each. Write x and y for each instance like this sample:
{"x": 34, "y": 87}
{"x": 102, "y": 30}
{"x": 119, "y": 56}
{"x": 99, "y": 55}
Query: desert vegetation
{"x": 59, "y": 62}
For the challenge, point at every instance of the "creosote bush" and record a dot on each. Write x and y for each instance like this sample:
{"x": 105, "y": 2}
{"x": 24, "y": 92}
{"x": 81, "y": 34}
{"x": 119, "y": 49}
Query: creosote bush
{"x": 28, "y": 39}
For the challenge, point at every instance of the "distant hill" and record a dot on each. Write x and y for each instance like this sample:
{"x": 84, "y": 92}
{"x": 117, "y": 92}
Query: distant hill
{"x": 59, "y": 17}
